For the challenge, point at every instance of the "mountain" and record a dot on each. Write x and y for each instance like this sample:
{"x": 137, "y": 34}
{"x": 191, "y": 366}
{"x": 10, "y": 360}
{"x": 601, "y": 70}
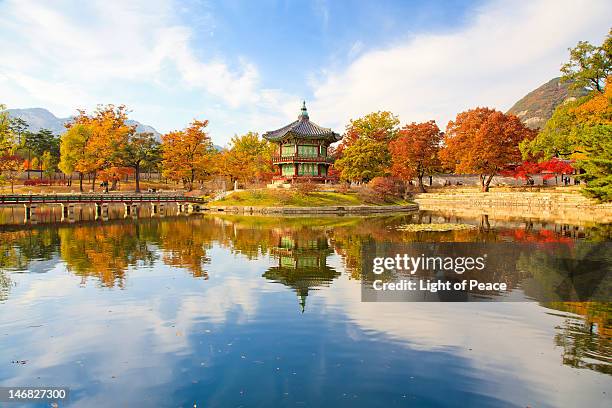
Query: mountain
{"x": 535, "y": 108}
{"x": 39, "y": 118}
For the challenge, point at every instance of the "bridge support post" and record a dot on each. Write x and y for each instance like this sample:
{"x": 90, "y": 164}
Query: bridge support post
{"x": 154, "y": 208}
{"x": 105, "y": 212}
{"x": 64, "y": 211}
{"x": 180, "y": 208}
{"x": 67, "y": 212}
{"x": 134, "y": 210}
{"x": 97, "y": 211}
{"x": 191, "y": 208}
{"x": 127, "y": 210}
{"x": 30, "y": 213}
{"x": 162, "y": 209}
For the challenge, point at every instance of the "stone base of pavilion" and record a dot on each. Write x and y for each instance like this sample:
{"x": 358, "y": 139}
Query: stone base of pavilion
{"x": 289, "y": 181}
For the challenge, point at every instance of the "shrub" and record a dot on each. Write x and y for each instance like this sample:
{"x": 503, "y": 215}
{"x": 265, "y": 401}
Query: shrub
{"x": 380, "y": 190}
{"x": 43, "y": 182}
{"x": 305, "y": 187}
{"x": 343, "y": 188}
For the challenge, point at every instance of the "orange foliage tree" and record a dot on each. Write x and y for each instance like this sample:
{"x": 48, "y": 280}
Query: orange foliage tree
{"x": 483, "y": 141}
{"x": 188, "y": 154}
{"x": 108, "y": 134}
{"x": 415, "y": 151}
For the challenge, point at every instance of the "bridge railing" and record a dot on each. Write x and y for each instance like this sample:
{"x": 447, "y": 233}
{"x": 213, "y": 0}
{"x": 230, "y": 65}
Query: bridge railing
{"x": 96, "y": 198}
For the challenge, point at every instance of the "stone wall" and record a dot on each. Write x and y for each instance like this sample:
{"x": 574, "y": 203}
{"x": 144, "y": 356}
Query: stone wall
{"x": 564, "y": 207}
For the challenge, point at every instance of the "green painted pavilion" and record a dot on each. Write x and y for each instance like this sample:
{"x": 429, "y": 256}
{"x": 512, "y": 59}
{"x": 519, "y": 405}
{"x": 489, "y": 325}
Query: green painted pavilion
{"x": 302, "y": 150}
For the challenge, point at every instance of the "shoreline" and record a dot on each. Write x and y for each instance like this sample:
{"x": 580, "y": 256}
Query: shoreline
{"x": 346, "y": 209}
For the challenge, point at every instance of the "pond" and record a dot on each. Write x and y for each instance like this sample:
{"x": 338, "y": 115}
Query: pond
{"x": 229, "y": 311}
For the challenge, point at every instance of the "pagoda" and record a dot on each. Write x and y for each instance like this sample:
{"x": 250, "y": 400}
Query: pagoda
{"x": 302, "y": 150}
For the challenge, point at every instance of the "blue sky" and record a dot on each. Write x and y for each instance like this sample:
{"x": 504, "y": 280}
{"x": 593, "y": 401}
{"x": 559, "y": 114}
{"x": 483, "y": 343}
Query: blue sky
{"x": 245, "y": 65}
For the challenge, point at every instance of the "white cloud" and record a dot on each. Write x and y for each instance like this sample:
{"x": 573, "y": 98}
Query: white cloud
{"x": 506, "y": 50}
{"x": 64, "y": 56}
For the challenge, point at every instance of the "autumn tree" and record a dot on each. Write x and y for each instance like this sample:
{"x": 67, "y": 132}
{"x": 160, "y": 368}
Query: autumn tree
{"x": 363, "y": 160}
{"x": 140, "y": 149}
{"x": 380, "y": 126}
{"x": 249, "y": 157}
{"x": 187, "y": 154}
{"x": 581, "y": 131}
{"x": 369, "y": 134}
{"x": 589, "y": 65}
{"x": 109, "y": 132}
{"x": 414, "y": 152}
{"x": 483, "y": 141}
{"x": 10, "y": 166}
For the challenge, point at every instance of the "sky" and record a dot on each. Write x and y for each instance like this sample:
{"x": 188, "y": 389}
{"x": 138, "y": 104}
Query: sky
{"x": 247, "y": 65}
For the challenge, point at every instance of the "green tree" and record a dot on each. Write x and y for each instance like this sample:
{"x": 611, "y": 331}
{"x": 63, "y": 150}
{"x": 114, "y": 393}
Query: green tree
{"x": 38, "y": 143}
{"x": 49, "y": 163}
{"x": 73, "y": 155}
{"x": 140, "y": 149}
{"x": 6, "y": 135}
{"x": 589, "y": 65}
{"x": 369, "y": 134}
{"x": 19, "y": 128}
{"x": 363, "y": 160}
{"x": 557, "y": 138}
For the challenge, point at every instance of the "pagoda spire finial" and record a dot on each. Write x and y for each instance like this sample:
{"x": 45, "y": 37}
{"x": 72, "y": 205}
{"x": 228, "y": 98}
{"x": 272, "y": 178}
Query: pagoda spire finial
{"x": 304, "y": 112}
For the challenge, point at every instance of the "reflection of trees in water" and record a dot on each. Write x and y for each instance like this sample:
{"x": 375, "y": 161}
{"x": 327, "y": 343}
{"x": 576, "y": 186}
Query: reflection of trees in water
{"x": 5, "y": 285}
{"x": 18, "y": 248}
{"x": 301, "y": 247}
{"x": 586, "y": 341}
{"x": 573, "y": 271}
{"x": 104, "y": 251}
{"x": 185, "y": 244}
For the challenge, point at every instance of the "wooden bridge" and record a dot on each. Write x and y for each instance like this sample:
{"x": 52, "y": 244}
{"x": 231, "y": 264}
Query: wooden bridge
{"x": 101, "y": 202}
{"x": 96, "y": 198}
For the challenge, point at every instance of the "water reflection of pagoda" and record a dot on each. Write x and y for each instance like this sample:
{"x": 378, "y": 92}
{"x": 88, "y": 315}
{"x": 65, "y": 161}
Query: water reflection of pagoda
{"x": 302, "y": 263}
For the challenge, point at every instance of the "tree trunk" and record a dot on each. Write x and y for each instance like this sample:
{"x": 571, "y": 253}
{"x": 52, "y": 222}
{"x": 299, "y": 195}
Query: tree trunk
{"x": 93, "y": 182}
{"x": 114, "y": 185}
{"x": 485, "y": 182}
{"x": 137, "y": 177}
{"x": 81, "y": 182}
{"x": 421, "y": 185}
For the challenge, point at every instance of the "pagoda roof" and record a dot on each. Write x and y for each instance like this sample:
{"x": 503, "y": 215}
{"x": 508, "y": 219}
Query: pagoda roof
{"x": 302, "y": 128}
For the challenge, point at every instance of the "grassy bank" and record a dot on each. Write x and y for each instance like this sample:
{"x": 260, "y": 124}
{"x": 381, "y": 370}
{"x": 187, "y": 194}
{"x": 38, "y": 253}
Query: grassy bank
{"x": 289, "y": 198}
